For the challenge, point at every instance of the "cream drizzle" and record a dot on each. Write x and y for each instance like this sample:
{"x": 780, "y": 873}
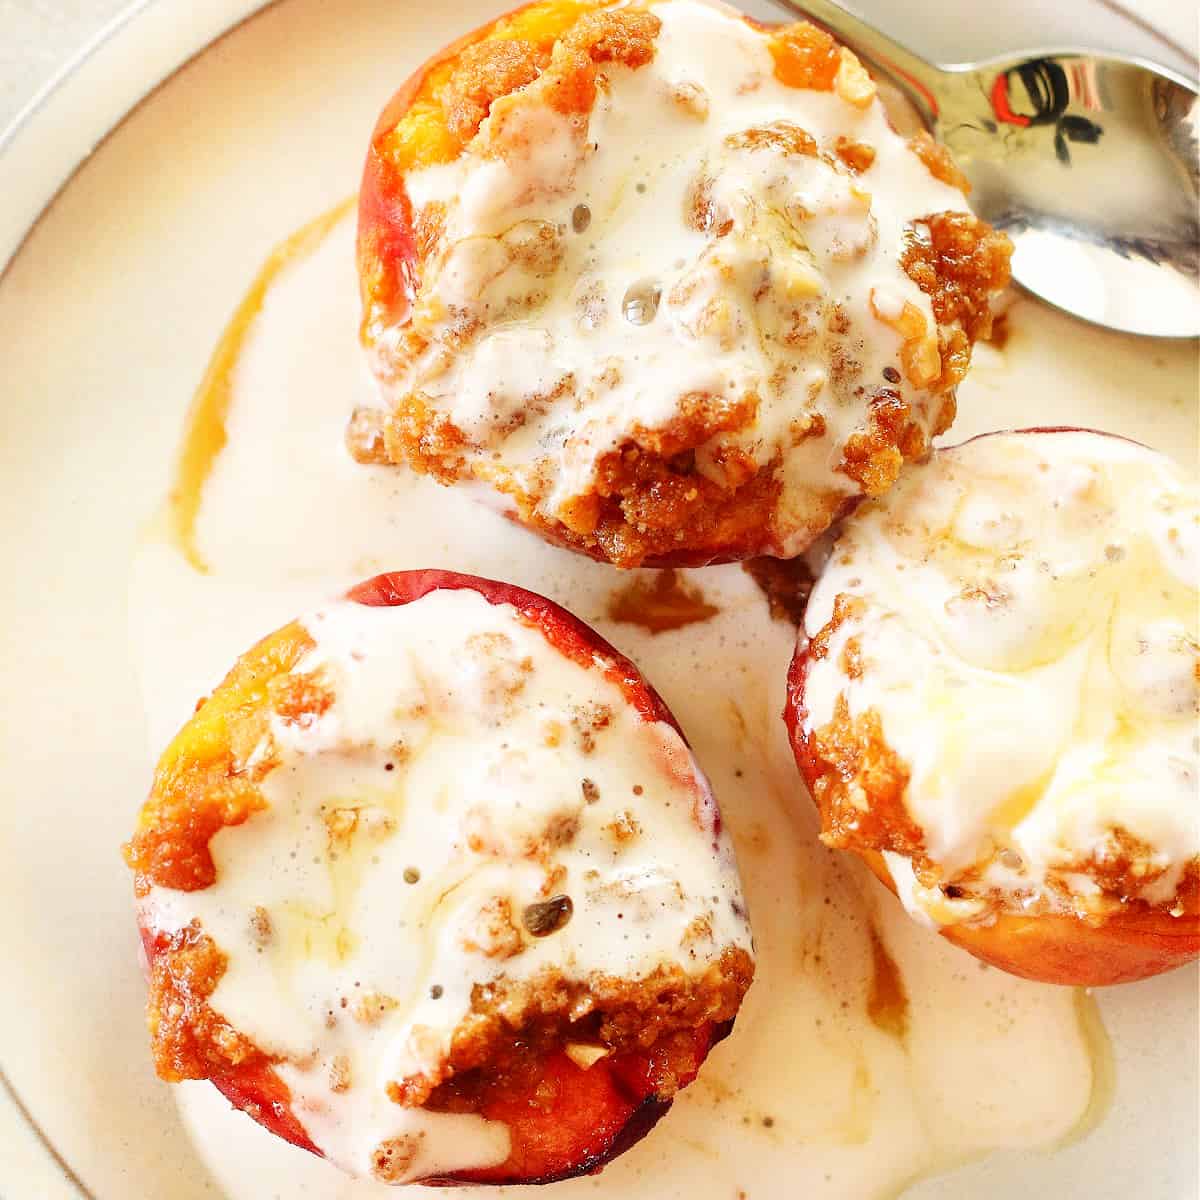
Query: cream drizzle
{"x": 987, "y": 1061}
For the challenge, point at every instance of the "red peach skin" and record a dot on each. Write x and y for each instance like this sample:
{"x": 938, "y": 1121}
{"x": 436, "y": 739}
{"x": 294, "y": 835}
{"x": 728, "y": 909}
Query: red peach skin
{"x": 386, "y": 240}
{"x": 570, "y": 1121}
{"x": 1130, "y": 945}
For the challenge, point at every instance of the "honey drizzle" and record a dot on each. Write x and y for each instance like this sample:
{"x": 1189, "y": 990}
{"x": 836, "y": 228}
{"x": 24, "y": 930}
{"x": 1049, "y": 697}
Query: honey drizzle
{"x": 661, "y": 605}
{"x": 887, "y": 999}
{"x": 204, "y": 432}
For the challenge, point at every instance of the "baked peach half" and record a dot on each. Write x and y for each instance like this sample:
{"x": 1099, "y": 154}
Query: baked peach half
{"x": 661, "y": 282}
{"x": 432, "y": 886}
{"x": 994, "y": 696}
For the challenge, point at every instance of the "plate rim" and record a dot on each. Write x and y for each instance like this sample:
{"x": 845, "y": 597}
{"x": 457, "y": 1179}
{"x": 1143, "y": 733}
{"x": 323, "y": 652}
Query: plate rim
{"x": 167, "y": 45}
{"x": 157, "y": 39}
{"x": 134, "y": 53}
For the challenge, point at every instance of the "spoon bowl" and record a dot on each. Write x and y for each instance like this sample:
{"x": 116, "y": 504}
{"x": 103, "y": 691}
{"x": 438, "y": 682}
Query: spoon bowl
{"x": 1089, "y": 162}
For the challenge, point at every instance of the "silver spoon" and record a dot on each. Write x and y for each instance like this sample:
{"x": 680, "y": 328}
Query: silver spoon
{"x": 1089, "y": 162}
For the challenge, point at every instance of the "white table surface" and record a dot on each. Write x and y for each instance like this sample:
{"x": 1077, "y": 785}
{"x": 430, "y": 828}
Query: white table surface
{"x": 37, "y": 37}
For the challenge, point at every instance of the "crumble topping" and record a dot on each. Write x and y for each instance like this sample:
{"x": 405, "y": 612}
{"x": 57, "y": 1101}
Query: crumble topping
{"x": 685, "y": 308}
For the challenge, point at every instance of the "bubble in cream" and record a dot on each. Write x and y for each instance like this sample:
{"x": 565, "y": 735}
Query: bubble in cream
{"x": 640, "y": 304}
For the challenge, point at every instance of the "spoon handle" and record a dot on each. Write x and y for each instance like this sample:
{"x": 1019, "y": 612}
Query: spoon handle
{"x": 920, "y": 80}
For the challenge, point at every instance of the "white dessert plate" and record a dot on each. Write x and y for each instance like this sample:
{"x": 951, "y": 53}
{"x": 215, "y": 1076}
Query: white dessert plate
{"x": 121, "y": 275}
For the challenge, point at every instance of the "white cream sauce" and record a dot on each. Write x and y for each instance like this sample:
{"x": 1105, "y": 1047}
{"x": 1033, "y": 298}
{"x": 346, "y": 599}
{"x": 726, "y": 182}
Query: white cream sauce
{"x": 859, "y": 1104}
{"x": 1029, "y": 638}
{"x": 465, "y": 770}
{"x": 615, "y": 319}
